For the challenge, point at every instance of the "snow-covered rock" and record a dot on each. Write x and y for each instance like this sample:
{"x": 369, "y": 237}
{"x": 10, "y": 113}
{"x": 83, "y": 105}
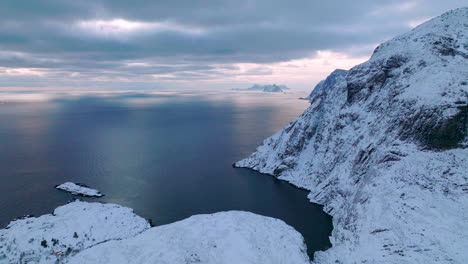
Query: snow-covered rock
{"x": 82, "y": 232}
{"x": 385, "y": 150}
{"x": 53, "y": 238}
{"x": 335, "y": 77}
{"x": 226, "y": 237}
{"x": 78, "y": 189}
{"x": 271, "y": 88}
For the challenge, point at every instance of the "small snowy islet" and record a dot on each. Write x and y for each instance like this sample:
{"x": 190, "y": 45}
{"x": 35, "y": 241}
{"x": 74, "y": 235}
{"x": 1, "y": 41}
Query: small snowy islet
{"x": 78, "y": 189}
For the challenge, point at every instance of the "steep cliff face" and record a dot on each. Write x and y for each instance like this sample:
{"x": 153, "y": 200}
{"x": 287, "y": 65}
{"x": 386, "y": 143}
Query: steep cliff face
{"x": 335, "y": 77}
{"x": 385, "y": 148}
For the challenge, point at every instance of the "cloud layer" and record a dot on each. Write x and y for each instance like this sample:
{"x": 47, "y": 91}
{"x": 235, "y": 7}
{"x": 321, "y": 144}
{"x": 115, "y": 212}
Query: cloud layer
{"x": 171, "y": 43}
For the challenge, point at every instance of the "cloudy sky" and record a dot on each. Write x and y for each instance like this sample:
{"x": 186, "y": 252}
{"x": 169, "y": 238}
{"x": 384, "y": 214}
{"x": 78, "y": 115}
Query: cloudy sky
{"x": 142, "y": 44}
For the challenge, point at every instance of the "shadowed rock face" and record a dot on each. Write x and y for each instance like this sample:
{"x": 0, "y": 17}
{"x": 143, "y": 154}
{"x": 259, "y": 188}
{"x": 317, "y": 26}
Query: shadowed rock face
{"x": 335, "y": 77}
{"x": 428, "y": 125}
{"x": 451, "y": 132}
{"x": 385, "y": 149}
{"x": 438, "y": 124}
{"x": 433, "y": 131}
{"x": 363, "y": 81}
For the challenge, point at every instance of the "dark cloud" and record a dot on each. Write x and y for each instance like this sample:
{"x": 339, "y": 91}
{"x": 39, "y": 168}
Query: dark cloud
{"x": 189, "y": 39}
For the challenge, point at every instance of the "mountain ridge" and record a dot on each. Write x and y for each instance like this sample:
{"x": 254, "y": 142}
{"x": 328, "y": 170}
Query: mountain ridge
{"x": 384, "y": 149}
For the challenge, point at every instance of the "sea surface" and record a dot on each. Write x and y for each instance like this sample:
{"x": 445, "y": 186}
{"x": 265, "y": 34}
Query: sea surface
{"x": 168, "y": 155}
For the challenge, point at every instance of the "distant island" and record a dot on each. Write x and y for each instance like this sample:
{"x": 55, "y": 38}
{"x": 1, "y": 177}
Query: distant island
{"x": 270, "y": 88}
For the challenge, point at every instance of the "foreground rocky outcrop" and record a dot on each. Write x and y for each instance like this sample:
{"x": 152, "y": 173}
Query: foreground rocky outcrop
{"x": 225, "y": 237}
{"x": 82, "y": 232}
{"x": 384, "y": 148}
{"x": 54, "y": 238}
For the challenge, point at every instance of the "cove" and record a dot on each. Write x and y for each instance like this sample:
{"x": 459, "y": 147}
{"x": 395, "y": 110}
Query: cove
{"x": 167, "y": 155}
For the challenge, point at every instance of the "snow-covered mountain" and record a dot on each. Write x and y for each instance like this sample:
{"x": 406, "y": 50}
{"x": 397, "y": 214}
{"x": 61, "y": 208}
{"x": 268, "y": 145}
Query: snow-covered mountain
{"x": 384, "y": 148}
{"x": 271, "y": 88}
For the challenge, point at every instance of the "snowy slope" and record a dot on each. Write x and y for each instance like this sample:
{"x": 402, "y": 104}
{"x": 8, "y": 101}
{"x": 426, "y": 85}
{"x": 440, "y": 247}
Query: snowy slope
{"x": 385, "y": 150}
{"x": 70, "y": 229}
{"x": 226, "y": 237}
{"x": 82, "y": 232}
{"x": 77, "y": 189}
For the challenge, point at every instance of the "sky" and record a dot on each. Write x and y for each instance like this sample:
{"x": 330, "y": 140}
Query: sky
{"x": 194, "y": 44}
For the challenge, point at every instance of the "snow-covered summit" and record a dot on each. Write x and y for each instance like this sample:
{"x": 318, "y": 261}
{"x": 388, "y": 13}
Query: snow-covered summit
{"x": 429, "y": 63}
{"x": 78, "y": 189}
{"x": 385, "y": 150}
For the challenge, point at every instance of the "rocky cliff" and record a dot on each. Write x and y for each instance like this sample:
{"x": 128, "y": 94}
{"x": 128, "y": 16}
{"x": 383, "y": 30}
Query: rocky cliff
{"x": 384, "y": 148}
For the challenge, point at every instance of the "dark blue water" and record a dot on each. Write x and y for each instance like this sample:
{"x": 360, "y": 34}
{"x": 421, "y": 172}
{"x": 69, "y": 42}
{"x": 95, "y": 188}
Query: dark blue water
{"x": 167, "y": 155}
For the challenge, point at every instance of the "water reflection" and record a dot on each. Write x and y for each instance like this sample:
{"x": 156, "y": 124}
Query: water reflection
{"x": 167, "y": 155}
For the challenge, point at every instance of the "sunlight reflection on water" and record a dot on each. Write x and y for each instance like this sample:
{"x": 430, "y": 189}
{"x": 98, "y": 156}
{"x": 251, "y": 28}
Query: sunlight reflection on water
{"x": 167, "y": 154}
